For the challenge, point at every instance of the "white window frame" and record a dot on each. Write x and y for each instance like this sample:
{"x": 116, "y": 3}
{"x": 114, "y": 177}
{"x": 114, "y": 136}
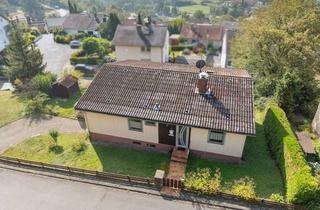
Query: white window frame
{"x": 216, "y": 141}
{"x": 133, "y": 128}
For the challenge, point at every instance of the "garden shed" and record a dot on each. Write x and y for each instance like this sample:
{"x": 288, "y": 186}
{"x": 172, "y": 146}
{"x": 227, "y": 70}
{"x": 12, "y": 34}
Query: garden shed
{"x": 65, "y": 87}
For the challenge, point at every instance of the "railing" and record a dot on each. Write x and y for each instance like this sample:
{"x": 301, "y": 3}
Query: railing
{"x": 173, "y": 183}
{"x": 76, "y": 171}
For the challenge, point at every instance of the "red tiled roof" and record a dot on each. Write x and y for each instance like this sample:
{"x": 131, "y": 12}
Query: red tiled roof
{"x": 202, "y": 32}
{"x": 131, "y": 90}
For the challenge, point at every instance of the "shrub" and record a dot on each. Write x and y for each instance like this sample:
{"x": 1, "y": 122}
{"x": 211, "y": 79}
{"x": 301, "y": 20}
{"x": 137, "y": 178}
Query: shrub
{"x": 93, "y": 45}
{"x": 63, "y": 39}
{"x": 81, "y": 145}
{"x": 244, "y": 188}
{"x": 277, "y": 198}
{"x": 36, "y": 105}
{"x": 72, "y": 72}
{"x": 181, "y": 47}
{"x": 18, "y": 84}
{"x": 90, "y": 60}
{"x": 54, "y": 134}
{"x": 203, "y": 181}
{"x": 297, "y": 174}
{"x": 186, "y": 52}
{"x": 44, "y": 82}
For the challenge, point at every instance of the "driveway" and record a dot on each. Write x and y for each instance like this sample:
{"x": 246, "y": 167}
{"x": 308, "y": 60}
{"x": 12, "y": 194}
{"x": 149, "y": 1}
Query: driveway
{"x": 29, "y": 192}
{"x": 55, "y": 55}
{"x": 19, "y": 130}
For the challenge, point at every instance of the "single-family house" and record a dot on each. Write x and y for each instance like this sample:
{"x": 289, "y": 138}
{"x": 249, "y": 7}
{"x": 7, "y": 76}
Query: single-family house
{"x": 204, "y": 34}
{"x": 137, "y": 42}
{"x": 4, "y": 28}
{"x": 160, "y": 106}
{"x": 54, "y": 22}
{"x": 83, "y": 22}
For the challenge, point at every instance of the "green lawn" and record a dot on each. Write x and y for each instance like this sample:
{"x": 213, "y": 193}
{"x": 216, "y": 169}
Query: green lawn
{"x": 259, "y": 165}
{"x": 65, "y": 107}
{"x": 95, "y": 157}
{"x": 193, "y": 8}
{"x": 10, "y": 108}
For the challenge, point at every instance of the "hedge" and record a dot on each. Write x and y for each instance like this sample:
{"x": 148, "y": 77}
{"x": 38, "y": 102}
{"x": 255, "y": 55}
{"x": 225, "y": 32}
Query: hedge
{"x": 181, "y": 47}
{"x": 63, "y": 39}
{"x": 89, "y": 60}
{"x": 301, "y": 185}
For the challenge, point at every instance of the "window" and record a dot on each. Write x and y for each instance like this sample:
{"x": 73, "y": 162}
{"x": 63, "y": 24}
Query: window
{"x": 148, "y": 49}
{"x": 216, "y": 137}
{"x": 143, "y": 49}
{"x": 150, "y": 123}
{"x": 135, "y": 125}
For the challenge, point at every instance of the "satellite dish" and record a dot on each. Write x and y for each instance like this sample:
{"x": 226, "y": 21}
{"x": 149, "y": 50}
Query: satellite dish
{"x": 200, "y": 64}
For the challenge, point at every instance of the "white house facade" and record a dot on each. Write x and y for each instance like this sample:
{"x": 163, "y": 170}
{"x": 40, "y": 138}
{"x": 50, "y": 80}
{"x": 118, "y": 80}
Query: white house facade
{"x": 4, "y": 39}
{"x": 138, "y": 43}
{"x": 164, "y": 106}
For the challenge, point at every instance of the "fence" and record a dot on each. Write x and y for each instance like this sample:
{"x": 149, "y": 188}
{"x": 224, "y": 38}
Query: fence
{"x": 76, "y": 171}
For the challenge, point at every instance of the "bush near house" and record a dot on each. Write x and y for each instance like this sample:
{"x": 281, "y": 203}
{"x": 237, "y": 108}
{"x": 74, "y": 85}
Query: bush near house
{"x": 63, "y": 39}
{"x": 181, "y": 47}
{"x": 301, "y": 185}
{"x": 76, "y": 58}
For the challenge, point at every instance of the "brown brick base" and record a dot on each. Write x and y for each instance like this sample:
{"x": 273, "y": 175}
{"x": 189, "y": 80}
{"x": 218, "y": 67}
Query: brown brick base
{"x": 130, "y": 142}
{"x": 114, "y": 140}
{"x": 216, "y": 157}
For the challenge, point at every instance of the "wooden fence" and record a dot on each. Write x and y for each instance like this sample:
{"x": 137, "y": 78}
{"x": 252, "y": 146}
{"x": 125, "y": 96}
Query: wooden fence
{"x": 76, "y": 171}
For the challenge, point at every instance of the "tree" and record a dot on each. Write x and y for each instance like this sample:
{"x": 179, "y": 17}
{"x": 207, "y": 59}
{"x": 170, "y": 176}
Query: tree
{"x": 174, "y": 11}
{"x": 199, "y": 15}
{"x": 280, "y": 48}
{"x": 166, "y": 11}
{"x": 174, "y": 26}
{"x": 23, "y": 59}
{"x": 112, "y": 25}
{"x": 73, "y": 7}
{"x": 34, "y": 9}
{"x": 139, "y": 19}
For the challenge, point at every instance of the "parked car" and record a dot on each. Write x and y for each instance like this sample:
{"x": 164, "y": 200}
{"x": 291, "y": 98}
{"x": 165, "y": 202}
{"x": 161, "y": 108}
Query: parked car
{"x": 85, "y": 69}
{"x": 75, "y": 44}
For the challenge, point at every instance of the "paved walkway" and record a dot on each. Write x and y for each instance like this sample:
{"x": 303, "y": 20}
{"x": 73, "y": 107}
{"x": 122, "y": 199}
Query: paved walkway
{"x": 19, "y": 130}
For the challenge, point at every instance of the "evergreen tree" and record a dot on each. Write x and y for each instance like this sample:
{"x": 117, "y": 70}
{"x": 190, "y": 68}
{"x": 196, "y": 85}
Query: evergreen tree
{"x": 139, "y": 19}
{"x": 112, "y": 25}
{"x": 71, "y": 9}
{"x": 23, "y": 59}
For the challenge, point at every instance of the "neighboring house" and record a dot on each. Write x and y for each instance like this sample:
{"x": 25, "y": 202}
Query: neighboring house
{"x": 4, "y": 38}
{"x": 136, "y": 42}
{"x": 160, "y": 106}
{"x": 83, "y": 22}
{"x": 54, "y": 22}
{"x": 203, "y": 34}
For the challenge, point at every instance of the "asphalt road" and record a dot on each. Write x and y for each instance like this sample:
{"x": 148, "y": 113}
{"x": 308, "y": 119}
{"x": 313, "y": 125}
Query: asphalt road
{"x": 55, "y": 55}
{"x": 32, "y": 192}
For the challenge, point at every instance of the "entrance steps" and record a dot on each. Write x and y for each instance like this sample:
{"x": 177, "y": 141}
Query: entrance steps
{"x": 179, "y": 155}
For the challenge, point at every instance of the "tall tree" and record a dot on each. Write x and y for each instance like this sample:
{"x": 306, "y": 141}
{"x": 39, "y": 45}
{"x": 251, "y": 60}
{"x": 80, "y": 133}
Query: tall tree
{"x": 139, "y": 19}
{"x": 174, "y": 26}
{"x": 23, "y": 59}
{"x": 112, "y": 25}
{"x": 280, "y": 46}
{"x": 34, "y": 9}
{"x": 199, "y": 15}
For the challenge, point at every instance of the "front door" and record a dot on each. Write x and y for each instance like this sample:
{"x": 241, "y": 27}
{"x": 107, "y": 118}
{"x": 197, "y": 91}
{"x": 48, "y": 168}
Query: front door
{"x": 182, "y": 137}
{"x": 167, "y": 134}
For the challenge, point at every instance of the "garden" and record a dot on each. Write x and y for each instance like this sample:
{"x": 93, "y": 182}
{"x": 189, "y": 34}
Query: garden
{"x": 75, "y": 150}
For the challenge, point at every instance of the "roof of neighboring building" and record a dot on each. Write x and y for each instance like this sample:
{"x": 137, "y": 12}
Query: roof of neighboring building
{"x": 67, "y": 81}
{"x": 133, "y": 89}
{"x": 55, "y": 21}
{"x": 82, "y": 21}
{"x": 202, "y": 32}
{"x": 133, "y": 35}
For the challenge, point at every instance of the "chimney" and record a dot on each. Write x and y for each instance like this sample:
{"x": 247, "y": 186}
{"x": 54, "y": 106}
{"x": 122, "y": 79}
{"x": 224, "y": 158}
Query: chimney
{"x": 202, "y": 83}
{"x": 149, "y": 24}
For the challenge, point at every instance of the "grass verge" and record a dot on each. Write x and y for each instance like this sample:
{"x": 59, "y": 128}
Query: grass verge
{"x": 94, "y": 157}
{"x": 258, "y": 165}
{"x": 11, "y": 108}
